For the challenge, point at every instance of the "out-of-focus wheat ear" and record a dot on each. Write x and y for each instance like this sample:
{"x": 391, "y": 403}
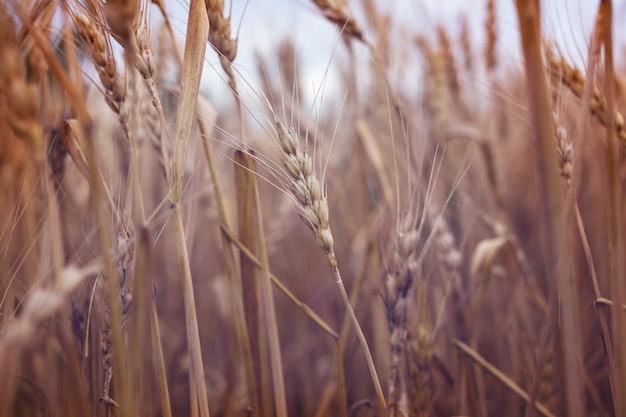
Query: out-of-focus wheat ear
{"x": 564, "y": 150}
{"x": 399, "y": 282}
{"x": 220, "y": 37}
{"x": 170, "y": 31}
{"x": 576, "y": 82}
{"x": 439, "y": 96}
{"x": 547, "y": 393}
{"x": 419, "y": 356}
{"x": 289, "y": 69}
{"x": 553, "y": 214}
{"x": 446, "y": 247}
{"x": 424, "y": 47}
{"x": 42, "y": 303}
{"x": 466, "y": 44}
{"x": 123, "y": 18}
{"x": 59, "y": 73}
{"x": 452, "y": 75}
{"x": 21, "y": 98}
{"x": 491, "y": 55}
{"x": 337, "y": 12}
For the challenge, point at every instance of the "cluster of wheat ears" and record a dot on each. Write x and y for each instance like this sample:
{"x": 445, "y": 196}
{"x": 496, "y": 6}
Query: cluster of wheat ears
{"x": 452, "y": 250}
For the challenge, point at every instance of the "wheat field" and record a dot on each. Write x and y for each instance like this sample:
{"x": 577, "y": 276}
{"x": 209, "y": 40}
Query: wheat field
{"x": 439, "y": 236}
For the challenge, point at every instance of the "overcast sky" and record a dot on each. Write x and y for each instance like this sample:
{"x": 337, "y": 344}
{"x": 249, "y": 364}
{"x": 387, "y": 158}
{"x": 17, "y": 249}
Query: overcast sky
{"x": 265, "y": 22}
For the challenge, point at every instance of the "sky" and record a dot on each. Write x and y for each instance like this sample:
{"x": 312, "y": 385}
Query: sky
{"x": 262, "y": 24}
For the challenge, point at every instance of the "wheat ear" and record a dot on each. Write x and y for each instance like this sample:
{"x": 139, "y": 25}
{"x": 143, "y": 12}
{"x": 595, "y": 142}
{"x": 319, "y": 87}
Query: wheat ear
{"x": 313, "y": 208}
{"x": 398, "y": 284}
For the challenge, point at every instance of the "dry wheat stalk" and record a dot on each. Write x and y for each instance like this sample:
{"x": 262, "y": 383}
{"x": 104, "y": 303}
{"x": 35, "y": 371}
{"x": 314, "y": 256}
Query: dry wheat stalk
{"x": 553, "y": 210}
